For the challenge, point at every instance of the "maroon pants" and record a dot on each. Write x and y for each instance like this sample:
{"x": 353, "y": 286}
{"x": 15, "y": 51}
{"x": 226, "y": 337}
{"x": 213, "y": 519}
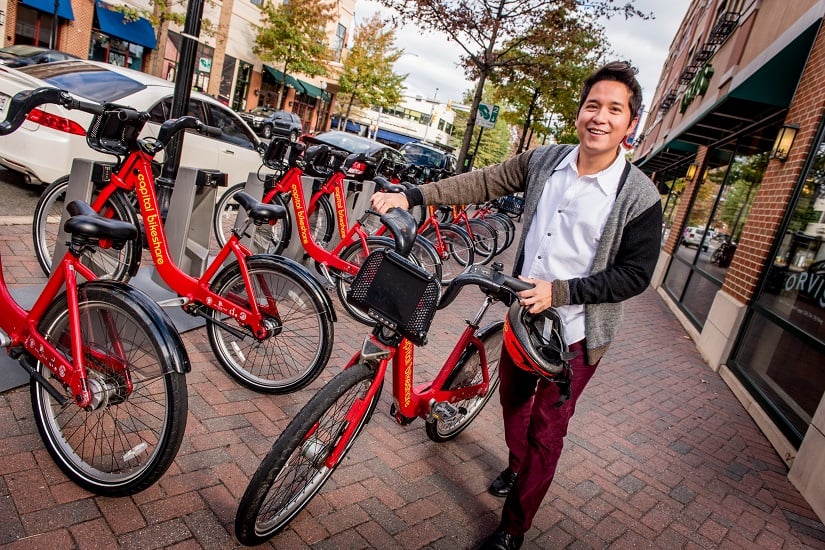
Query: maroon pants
{"x": 534, "y": 429}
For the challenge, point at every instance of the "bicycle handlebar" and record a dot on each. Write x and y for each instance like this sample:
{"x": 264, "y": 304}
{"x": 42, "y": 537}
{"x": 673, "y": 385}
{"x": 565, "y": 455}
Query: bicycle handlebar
{"x": 489, "y": 279}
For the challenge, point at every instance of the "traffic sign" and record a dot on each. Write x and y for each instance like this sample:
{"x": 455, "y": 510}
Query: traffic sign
{"x": 486, "y": 115}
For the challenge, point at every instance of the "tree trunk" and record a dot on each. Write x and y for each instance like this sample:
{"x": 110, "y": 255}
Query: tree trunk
{"x": 528, "y": 121}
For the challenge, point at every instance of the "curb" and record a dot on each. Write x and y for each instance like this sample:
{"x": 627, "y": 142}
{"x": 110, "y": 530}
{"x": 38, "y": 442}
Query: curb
{"x": 16, "y": 220}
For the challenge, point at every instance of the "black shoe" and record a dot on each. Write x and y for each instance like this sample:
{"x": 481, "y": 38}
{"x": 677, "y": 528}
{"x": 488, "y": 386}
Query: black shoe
{"x": 501, "y": 540}
{"x": 503, "y": 483}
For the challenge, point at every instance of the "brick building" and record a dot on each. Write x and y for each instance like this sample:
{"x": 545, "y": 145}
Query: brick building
{"x": 735, "y": 140}
{"x": 226, "y": 68}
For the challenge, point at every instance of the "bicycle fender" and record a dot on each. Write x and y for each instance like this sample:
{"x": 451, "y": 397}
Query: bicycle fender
{"x": 173, "y": 350}
{"x": 316, "y": 287}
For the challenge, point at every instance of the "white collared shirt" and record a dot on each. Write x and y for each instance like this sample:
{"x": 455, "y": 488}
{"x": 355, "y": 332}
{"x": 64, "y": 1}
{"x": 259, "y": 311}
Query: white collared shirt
{"x": 567, "y": 227}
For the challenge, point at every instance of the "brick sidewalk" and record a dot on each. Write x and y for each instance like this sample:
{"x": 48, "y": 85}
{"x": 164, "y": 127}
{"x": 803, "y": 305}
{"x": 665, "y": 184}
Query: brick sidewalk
{"x": 660, "y": 455}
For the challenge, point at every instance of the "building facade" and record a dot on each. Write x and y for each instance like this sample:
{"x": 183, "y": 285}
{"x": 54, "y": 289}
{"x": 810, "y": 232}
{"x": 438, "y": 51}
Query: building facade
{"x": 415, "y": 118}
{"x": 225, "y": 66}
{"x": 735, "y": 140}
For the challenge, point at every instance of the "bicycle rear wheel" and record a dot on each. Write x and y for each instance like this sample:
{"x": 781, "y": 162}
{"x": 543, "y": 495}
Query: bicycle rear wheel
{"x": 294, "y": 469}
{"x": 485, "y": 241}
{"x": 505, "y": 229}
{"x": 454, "y": 247}
{"x": 109, "y": 263}
{"x": 467, "y": 372}
{"x": 135, "y": 361}
{"x": 298, "y": 314}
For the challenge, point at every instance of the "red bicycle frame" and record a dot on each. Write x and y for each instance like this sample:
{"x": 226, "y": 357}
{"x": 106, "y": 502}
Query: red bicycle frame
{"x": 21, "y": 327}
{"x": 413, "y": 401}
{"x": 136, "y": 174}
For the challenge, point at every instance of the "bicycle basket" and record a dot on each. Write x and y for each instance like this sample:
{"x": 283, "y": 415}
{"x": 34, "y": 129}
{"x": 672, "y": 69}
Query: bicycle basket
{"x": 397, "y": 293}
{"x": 511, "y": 204}
{"x": 109, "y": 134}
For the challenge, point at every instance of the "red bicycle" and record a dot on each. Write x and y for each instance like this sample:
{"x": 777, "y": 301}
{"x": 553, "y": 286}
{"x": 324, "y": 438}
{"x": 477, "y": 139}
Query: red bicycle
{"x": 107, "y": 366}
{"x": 339, "y": 264}
{"x": 316, "y": 441}
{"x": 269, "y": 322}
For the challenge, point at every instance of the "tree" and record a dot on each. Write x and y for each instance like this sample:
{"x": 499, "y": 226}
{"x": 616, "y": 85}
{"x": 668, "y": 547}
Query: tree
{"x": 293, "y": 34}
{"x": 367, "y": 77}
{"x": 480, "y": 28}
{"x": 544, "y": 94}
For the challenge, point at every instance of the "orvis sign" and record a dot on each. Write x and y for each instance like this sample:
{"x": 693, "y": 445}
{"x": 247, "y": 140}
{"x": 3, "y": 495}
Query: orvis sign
{"x": 698, "y": 87}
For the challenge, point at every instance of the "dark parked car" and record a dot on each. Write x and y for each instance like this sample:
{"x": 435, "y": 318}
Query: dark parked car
{"x": 433, "y": 163}
{"x": 387, "y": 159}
{"x": 268, "y": 122}
{"x": 21, "y": 55}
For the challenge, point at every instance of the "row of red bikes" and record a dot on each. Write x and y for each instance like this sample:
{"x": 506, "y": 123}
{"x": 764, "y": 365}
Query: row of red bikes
{"x": 108, "y": 367}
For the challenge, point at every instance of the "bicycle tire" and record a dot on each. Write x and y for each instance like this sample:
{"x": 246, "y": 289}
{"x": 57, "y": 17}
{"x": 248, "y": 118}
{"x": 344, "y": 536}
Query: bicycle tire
{"x": 455, "y": 249}
{"x": 427, "y": 256}
{"x": 466, "y": 372}
{"x": 485, "y": 240}
{"x": 354, "y": 254}
{"x": 147, "y": 423}
{"x": 119, "y": 265}
{"x": 322, "y": 222}
{"x": 289, "y": 477}
{"x": 505, "y": 229}
{"x": 302, "y": 324}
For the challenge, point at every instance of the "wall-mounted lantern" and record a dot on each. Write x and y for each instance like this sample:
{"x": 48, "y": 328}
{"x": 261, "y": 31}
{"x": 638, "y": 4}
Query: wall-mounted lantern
{"x": 784, "y": 141}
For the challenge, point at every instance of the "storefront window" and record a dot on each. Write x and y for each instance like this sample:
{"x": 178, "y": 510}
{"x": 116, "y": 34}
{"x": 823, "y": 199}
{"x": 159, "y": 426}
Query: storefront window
{"x": 115, "y": 51}
{"x": 782, "y": 350}
{"x": 714, "y": 225}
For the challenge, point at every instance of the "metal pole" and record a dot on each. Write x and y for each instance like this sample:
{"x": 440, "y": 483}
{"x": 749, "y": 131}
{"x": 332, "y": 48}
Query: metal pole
{"x": 180, "y": 98}
{"x": 53, "y": 37}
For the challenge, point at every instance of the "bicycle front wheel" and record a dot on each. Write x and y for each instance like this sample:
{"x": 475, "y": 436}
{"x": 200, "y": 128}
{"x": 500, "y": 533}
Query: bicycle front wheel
{"x": 299, "y": 319}
{"x": 295, "y": 468}
{"x": 135, "y": 360}
{"x": 467, "y": 372}
{"x": 108, "y": 263}
{"x": 356, "y": 255}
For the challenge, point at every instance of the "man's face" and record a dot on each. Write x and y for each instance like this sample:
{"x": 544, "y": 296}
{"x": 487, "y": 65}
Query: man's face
{"x": 604, "y": 119}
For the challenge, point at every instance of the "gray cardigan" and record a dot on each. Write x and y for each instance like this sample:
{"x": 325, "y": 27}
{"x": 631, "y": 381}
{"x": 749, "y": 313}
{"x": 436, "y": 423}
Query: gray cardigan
{"x": 627, "y": 252}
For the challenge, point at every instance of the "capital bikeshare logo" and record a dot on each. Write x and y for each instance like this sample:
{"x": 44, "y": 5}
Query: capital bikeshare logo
{"x": 150, "y": 213}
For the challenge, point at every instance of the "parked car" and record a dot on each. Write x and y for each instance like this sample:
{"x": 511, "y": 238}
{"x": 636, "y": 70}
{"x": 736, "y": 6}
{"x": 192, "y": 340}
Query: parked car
{"x": 21, "y": 55}
{"x": 437, "y": 162}
{"x": 268, "y": 122}
{"x": 46, "y": 144}
{"x": 695, "y": 236}
{"x": 386, "y": 158}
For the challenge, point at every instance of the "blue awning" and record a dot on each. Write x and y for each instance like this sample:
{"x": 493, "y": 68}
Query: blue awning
{"x": 113, "y": 22}
{"x": 400, "y": 139}
{"x": 64, "y": 7}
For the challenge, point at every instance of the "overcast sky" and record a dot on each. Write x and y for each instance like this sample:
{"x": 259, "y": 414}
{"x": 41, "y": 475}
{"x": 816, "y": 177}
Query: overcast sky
{"x": 432, "y": 60}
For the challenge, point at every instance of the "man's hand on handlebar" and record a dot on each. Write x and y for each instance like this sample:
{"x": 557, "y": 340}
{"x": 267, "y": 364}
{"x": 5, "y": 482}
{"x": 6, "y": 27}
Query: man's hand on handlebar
{"x": 538, "y": 298}
{"x": 382, "y": 202}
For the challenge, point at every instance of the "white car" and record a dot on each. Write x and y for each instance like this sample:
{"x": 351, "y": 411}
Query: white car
{"x": 44, "y": 147}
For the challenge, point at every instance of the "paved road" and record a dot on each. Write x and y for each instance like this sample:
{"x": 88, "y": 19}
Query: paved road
{"x": 17, "y": 198}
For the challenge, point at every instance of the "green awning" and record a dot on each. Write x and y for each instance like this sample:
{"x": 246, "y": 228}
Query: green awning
{"x": 314, "y": 91}
{"x": 279, "y": 78}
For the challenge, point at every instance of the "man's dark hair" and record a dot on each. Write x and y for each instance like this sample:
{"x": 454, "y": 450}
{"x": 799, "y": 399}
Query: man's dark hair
{"x": 619, "y": 71}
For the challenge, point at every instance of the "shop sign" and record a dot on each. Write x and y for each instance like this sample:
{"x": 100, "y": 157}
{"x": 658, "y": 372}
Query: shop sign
{"x": 698, "y": 87}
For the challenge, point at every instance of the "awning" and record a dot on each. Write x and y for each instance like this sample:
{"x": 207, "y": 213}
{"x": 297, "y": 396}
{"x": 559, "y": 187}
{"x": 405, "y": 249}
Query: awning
{"x": 279, "y": 78}
{"x": 314, "y": 91}
{"x": 761, "y": 99}
{"x": 64, "y": 7}
{"x": 394, "y": 137}
{"x": 137, "y": 32}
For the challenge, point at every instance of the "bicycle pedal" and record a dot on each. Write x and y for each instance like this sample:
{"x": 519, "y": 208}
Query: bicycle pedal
{"x": 445, "y": 412}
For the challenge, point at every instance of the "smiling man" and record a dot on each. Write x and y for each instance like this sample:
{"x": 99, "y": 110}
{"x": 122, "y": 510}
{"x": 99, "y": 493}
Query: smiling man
{"x": 592, "y": 224}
